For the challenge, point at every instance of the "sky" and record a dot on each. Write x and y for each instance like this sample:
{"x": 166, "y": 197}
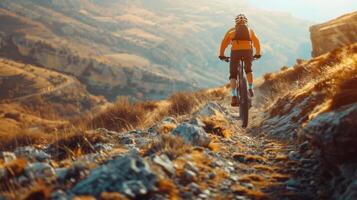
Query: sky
{"x": 312, "y": 10}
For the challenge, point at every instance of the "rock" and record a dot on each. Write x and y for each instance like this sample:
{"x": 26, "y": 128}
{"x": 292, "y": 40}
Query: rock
{"x": 351, "y": 192}
{"x": 126, "y": 140}
{"x": 61, "y": 174}
{"x": 192, "y": 134}
{"x": 210, "y": 109}
{"x": 60, "y": 195}
{"x": 168, "y": 120}
{"x": 164, "y": 162}
{"x": 292, "y": 183}
{"x": 339, "y": 32}
{"x": 188, "y": 176}
{"x": 40, "y": 171}
{"x": 335, "y": 134}
{"x": 7, "y": 156}
{"x": 197, "y": 122}
{"x": 190, "y": 166}
{"x": 194, "y": 188}
{"x": 100, "y": 147}
{"x": 32, "y": 154}
{"x": 129, "y": 175}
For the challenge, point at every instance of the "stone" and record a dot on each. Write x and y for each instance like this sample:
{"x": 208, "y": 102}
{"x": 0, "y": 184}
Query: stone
{"x": 100, "y": 147}
{"x": 60, "y": 195}
{"x": 210, "y": 109}
{"x": 126, "y": 140}
{"x": 164, "y": 162}
{"x": 7, "y": 156}
{"x": 168, "y": 120}
{"x": 188, "y": 176}
{"x": 190, "y": 166}
{"x": 192, "y": 134}
{"x": 40, "y": 171}
{"x": 194, "y": 188}
{"x": 130, "y": 175}
{"x": 32, "y": 154}
{"x": 61, "y": 173}
{"x": 197, "y": 122}
{"x": 335, "y": 134}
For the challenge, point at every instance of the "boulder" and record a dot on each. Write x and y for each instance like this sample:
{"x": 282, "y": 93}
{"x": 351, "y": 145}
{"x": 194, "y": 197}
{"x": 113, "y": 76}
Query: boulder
{"x": 129, "y": 175}
{"x": 7, "y": 156}
{"x": 192, "y": 134}
{"x": 164, "y": 162}
{"x": 335, "y": 134}
{"x": 210, "y": 109}
{"x": 39, "y": 170}
{"x": 351, "y": 192}
{"x": 32, "y": 154}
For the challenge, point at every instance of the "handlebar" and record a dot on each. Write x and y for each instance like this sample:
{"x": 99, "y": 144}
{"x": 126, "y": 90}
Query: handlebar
{"x": 227, "y": 59}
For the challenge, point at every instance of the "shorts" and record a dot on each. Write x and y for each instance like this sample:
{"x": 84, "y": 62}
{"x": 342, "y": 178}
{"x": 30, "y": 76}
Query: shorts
{"x": 236, "y": 56}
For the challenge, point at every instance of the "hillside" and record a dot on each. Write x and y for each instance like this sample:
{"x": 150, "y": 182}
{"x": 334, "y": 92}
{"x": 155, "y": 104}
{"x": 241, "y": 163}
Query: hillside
{"x": 339, "y": 32}
{"x": 140, "y": 49}
{"x": 34, "y": 98}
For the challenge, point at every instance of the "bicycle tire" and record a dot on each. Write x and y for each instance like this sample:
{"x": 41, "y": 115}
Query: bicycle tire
{"x": 244, "y": 101}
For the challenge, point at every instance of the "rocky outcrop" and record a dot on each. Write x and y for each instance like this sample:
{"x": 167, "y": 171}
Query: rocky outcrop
{"x": 335, "y": 133}
{"x": 334, "y": 34}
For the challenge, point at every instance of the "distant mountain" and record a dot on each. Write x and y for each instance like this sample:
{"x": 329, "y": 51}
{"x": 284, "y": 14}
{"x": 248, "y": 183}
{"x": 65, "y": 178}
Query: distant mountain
{"x": 141, "y": 49}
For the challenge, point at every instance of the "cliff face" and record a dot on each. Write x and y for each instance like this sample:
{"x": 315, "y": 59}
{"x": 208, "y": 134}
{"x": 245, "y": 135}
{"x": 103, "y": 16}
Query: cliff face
{"x": 334, "y": 34}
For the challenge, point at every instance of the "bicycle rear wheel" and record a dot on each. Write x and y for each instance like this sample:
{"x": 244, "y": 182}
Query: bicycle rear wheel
{"x": 244, "y": 101}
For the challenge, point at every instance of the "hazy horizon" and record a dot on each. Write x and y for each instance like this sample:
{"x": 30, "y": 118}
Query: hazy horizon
{"x": 312, "y": 10}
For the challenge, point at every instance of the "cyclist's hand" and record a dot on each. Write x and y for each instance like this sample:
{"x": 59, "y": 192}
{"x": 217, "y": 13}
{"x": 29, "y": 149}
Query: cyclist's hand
{"x": 222, "y": 57}
{"x": 257, "y": 56}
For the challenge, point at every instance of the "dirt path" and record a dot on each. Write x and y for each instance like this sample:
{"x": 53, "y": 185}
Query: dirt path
{"x": 43, "y": 91}
{"x": 265, "y": 168}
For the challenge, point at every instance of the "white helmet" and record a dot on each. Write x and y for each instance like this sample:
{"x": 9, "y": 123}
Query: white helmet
{"x": 241, "y": 18}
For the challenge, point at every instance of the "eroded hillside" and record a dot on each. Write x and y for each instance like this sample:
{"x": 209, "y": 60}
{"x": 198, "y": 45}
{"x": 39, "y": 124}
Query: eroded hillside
{"x": 34, "y": 98}
{"x": 138, "y": 49}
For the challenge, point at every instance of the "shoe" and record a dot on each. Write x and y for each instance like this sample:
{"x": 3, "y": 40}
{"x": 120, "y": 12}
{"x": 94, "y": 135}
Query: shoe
{"x": 234, "y": 102}
{"x": 251, "y": 92}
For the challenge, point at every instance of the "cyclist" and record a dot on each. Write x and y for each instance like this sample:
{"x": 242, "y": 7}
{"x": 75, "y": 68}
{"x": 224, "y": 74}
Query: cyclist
{"x": 242, "y": 39}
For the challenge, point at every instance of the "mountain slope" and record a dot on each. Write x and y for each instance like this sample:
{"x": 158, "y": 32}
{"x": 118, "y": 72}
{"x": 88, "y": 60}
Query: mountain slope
{"x": 136, "y": 48}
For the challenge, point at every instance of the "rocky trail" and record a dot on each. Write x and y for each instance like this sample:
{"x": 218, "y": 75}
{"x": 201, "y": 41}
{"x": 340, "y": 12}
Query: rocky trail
{"x": 215, "y": 159}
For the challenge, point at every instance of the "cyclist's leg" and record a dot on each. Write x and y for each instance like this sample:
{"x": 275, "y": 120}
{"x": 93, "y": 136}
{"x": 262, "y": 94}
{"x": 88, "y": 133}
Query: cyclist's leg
{"x": 248, "y": 59}
{"x": 233, "y": 70}
{"x": 234, "y": 62}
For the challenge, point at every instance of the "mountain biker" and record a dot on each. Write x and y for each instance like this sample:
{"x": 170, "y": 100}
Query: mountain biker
{"x": 242, "y": 39}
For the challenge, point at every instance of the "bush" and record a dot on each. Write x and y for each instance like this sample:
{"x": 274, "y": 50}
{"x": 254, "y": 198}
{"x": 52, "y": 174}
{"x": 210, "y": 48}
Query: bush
{"x": 182, "y": 103}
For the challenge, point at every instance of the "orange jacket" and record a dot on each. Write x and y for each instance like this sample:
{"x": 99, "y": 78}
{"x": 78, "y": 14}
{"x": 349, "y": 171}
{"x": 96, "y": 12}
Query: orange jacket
{"x": 239, "y": 45}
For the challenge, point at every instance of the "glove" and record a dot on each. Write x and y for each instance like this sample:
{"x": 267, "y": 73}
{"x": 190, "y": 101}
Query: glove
{"x": 257, "y": 56}
{"x": 222, "y": 57}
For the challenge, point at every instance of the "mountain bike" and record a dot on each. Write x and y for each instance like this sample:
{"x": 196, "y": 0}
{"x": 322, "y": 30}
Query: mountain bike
{"x": 242, "y": 91}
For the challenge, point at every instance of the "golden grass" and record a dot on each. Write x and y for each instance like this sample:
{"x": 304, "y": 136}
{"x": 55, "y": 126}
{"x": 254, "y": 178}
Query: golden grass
{"x": 166, "y": 128}
{"x": 22, "y": 138}
{"x": 247, "y": 158}
{"x": 112, "y": 196}
{"x": 168, "y": 186}
{"x": 170, "y": 145}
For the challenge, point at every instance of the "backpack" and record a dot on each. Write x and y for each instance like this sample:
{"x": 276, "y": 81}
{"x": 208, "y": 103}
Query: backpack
{"x": 242, "y": 33}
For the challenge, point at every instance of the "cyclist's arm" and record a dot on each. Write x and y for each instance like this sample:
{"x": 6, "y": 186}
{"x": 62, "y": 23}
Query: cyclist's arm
{"x": 225, "y": 42}
{"x": 256, "y": 43}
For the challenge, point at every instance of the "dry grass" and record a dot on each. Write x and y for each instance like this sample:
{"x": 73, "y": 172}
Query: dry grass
{"x": 246, "y": 158}
{"x": 76, "y": 144}
{"x": 112, "y": 196}
{"x": 39, "y": 192}
{"x": 124, "y": 115}
{"x": 22, "y": 138}
{"x": 166, "y": 128}
{"x": 217, "y": 126}
{"x": 182, "y": 103}
{"x": 346, "y": 94}
{"x": 170, "y": 145}
{"x": 252, "y": 193}
{"x": 168, "y": 186}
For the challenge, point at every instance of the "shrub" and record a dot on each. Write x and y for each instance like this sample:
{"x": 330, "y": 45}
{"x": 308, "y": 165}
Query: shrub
{"x": 182, "y": 103}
